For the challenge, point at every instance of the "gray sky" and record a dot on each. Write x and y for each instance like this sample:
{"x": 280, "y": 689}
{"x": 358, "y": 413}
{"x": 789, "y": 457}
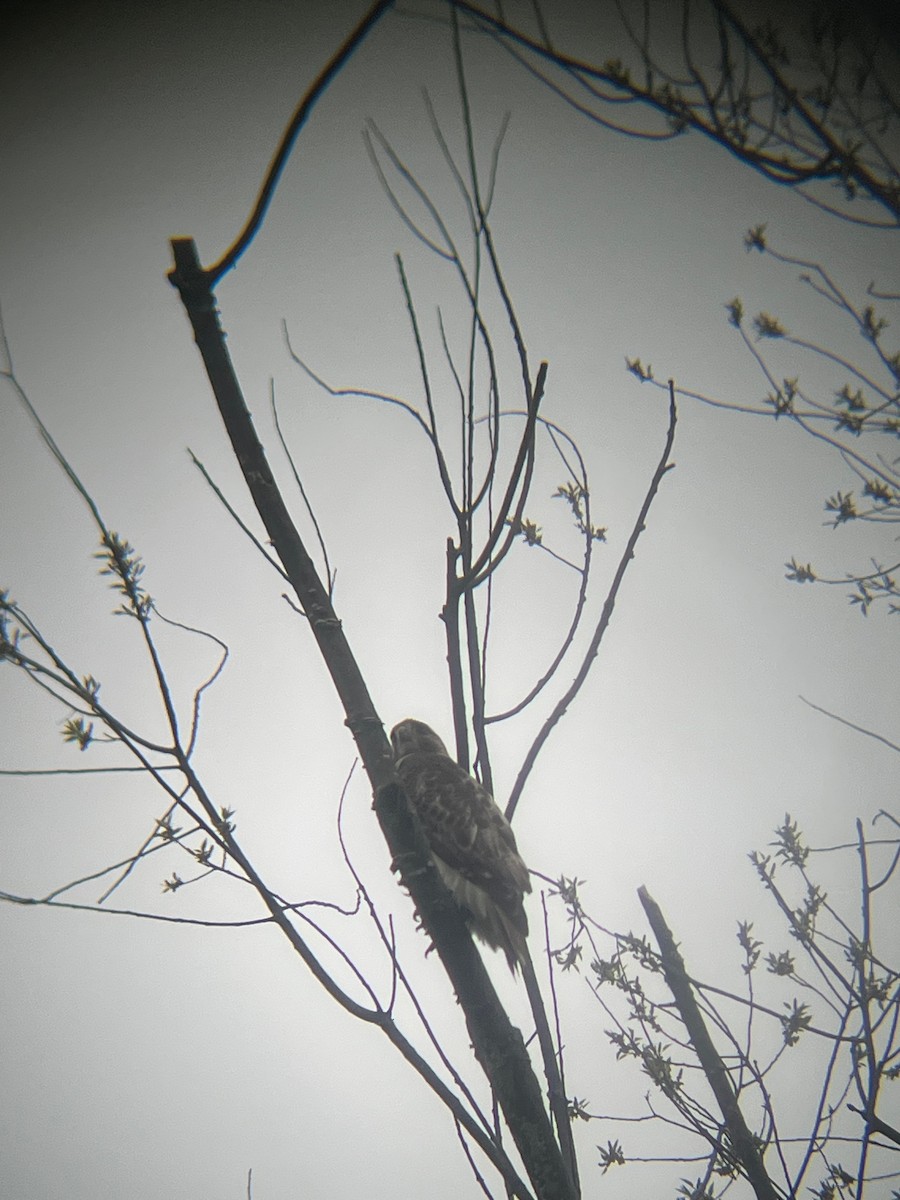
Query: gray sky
{"x": 145, "y": 1059}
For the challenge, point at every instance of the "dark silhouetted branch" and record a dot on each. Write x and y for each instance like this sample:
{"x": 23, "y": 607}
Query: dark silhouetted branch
{"x": 740, "y": 1145}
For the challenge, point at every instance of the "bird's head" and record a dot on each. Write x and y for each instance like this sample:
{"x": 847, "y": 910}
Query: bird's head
{"x": 415, "y": 737}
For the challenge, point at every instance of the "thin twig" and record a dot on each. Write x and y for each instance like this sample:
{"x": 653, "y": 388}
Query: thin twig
{"x": 663, "y": 466}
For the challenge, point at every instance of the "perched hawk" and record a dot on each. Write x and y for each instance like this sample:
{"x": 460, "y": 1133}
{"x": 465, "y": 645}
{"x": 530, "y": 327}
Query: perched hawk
{"x": 471, "y": 841}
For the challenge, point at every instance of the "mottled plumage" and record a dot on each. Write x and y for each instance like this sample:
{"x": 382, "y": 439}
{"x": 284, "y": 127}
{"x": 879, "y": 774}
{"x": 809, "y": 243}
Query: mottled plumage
{"x": 472, "y": 843}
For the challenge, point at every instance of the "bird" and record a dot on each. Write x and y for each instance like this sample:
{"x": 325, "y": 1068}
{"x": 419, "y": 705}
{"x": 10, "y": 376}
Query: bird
{"x": 471, "y": 841}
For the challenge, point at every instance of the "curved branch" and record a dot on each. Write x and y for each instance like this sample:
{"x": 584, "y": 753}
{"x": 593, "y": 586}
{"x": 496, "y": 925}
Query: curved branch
{"x": 289, "y": 137}
{"x": 584, "y": 572}
{"x": 577, "y": 683}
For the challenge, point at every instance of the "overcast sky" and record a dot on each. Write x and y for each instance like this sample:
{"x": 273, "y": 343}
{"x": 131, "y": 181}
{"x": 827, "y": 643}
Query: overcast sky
{"x": 144, "y": 1059}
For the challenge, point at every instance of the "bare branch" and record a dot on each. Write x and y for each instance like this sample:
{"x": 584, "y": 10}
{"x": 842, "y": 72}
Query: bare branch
{"x": 577, "y": 683}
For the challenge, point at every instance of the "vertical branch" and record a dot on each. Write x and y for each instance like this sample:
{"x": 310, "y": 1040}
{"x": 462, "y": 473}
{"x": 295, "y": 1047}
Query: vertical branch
{"x": 426, "y": 384}
{"x": 473, "y": 648}
{"x": 559, "y": 1106}
{"x": 519, "y": 484}
{"x": 450, "y": 617}
{"x": 863, "y": 953}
